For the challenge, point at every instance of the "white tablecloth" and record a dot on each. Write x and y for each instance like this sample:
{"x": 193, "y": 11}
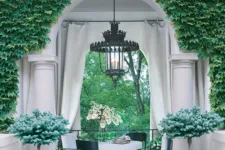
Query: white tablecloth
{"x": 133, "y": 145}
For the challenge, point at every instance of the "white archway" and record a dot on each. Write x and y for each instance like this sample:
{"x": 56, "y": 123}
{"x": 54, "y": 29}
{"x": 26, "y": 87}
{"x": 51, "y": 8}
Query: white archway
{"x": 182, "y": 67}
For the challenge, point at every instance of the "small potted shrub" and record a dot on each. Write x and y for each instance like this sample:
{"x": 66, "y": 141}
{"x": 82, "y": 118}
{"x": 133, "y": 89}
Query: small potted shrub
{"x": 39, "y": 128}
{"x": 188, "y": 124}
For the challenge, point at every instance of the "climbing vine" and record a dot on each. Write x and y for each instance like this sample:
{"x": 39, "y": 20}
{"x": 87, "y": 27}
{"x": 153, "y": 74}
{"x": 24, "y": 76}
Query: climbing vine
{"x": 24, "y": 27}
{"x": 200, "y": 26}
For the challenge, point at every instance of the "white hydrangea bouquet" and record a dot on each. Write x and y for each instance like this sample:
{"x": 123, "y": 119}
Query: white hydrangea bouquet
{"x": 104, "y": 114}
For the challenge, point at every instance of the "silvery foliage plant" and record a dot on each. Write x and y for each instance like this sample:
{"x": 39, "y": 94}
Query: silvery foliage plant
{"x": 190, "y": 123}
{"x": 39, "y": 128}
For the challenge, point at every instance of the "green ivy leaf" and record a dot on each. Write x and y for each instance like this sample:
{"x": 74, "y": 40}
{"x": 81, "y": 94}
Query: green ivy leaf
{"x": 48, "y": 12}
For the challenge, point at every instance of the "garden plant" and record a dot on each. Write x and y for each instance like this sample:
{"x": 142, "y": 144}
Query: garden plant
{"x": 191, "y": 123}
{"x": 39, "y": 128}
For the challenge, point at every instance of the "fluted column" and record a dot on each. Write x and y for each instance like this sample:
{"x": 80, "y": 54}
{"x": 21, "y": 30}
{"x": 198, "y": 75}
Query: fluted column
{"x": 183, "y": 87}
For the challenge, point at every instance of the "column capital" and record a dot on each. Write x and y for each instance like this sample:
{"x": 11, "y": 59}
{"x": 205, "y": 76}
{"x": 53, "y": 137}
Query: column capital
{"x": 185, "y": 57}
{"x": 42, "y": 58}
{"x": 183, "y": 64}
{"x": 43, "y": 65}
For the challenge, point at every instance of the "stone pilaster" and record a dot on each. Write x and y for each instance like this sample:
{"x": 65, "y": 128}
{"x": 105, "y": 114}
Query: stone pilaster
{"x": 43, "y": 83}
{"x": 183, "y": 87}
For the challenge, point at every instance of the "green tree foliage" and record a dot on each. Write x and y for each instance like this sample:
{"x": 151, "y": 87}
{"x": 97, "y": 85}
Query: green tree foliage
{"x": 135, "y": 72}
{"x": 98, "y": 87}
{"x": 39, "y": 128}
{"x": 24, "y": 27}
{"x": 200, "y": 26}
{"x": 190, "y": 123}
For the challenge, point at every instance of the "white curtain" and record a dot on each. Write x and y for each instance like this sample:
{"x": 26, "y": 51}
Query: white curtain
{"x": 153, "y": 43}
{"x": 156, "y": 53}
{"x": 74, "y": 63}
{"x": 73, "y": 44}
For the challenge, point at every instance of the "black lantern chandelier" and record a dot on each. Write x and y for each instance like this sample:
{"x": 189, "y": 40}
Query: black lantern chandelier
{"x": 114, "y": 47}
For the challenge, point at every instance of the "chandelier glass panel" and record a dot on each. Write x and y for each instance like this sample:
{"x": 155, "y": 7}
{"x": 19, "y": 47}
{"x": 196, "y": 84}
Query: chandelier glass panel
{"x": 114, "y": 46}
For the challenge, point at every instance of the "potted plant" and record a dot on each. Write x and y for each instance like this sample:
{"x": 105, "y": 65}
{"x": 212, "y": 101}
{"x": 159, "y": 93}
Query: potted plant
{"x": 191, "y": 123}
{"x": 39, "y": 128}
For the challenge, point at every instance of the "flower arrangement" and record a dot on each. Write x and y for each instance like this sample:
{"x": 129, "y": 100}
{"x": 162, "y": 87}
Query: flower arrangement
{"x": 104, "y": 113}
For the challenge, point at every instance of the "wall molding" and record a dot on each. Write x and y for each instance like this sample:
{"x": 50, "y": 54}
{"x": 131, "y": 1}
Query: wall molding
{"x": 42, "y": 58}
{"x": 184, "y": 56}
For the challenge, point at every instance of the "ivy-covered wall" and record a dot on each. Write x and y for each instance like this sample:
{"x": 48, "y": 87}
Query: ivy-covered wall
{"x": 200, "y": 26}
{"x": 24, "y": 27}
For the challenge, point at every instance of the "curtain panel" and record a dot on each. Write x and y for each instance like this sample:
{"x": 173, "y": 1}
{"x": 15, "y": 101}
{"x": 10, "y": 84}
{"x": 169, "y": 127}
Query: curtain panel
{"x": 72, "y": 64}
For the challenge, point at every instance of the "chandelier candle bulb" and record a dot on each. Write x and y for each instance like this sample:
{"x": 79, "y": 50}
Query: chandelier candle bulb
{"x": 115, "y": 64}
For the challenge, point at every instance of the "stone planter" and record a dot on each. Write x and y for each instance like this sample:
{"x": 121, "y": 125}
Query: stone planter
{"x": 218, "y": 140}
{"x": 8, "y": 142}
{"x": 182, "y": 144}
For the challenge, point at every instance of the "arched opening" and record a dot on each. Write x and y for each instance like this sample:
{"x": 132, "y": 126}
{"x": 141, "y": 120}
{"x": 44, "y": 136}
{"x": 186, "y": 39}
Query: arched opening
{"x": 132, "y": 103}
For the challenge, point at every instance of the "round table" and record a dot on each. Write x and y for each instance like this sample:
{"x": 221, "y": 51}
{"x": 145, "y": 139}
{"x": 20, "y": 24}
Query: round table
{"x": 133, "y": 145}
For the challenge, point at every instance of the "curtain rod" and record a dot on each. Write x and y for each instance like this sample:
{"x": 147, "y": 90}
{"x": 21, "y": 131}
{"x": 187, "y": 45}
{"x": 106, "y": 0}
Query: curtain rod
{"x": 74, "y": 21}
{"x": 151, "y": 22}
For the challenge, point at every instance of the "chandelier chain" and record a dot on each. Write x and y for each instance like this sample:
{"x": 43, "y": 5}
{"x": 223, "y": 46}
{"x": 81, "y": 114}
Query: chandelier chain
{"x": 114, "y": 10}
